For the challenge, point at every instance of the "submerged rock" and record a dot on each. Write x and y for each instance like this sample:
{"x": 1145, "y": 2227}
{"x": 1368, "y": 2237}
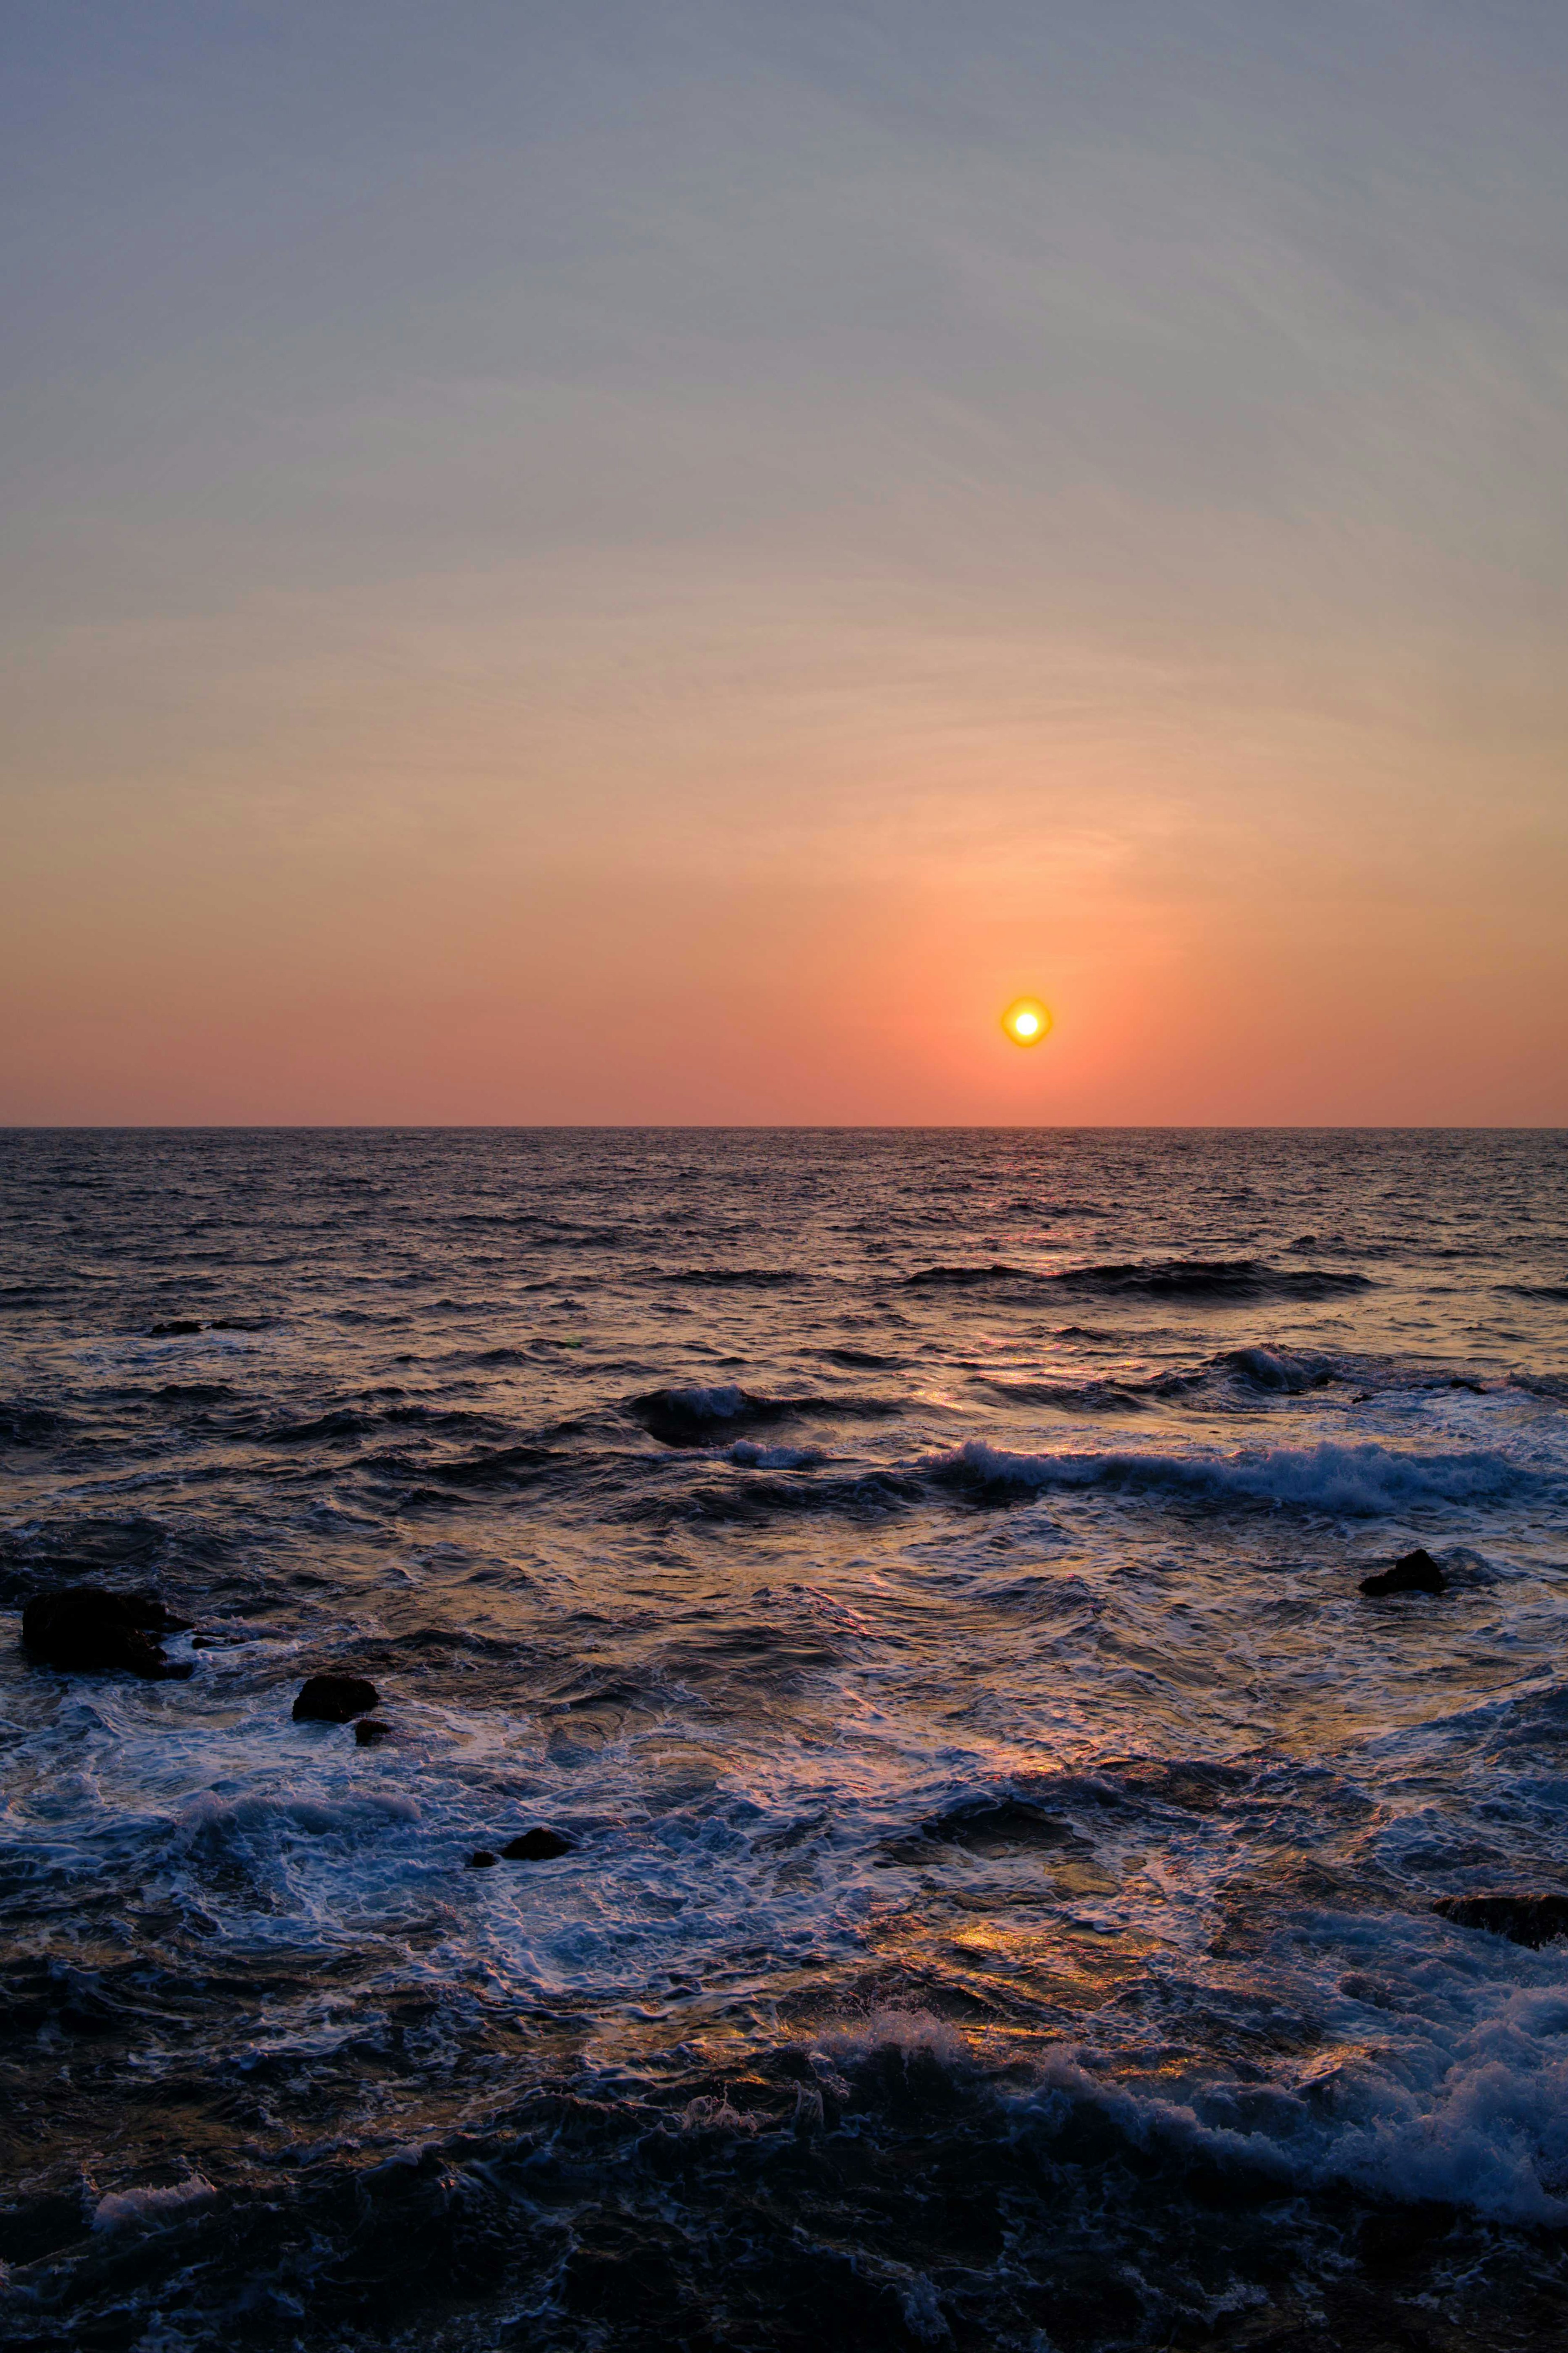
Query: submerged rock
{"x": 1415, "y": 1572}
{"x": 334, "y": 1699}
{"x": 82, "y": 1629}
{"x": 1522, "y": 1919}
{"x": 536, "y": 1846}
{"x": 988, "y": 1823}
{"x": 481, "y": 1859}
{"x": 178, "y": 1327}
{"x": 369, "y": 1734}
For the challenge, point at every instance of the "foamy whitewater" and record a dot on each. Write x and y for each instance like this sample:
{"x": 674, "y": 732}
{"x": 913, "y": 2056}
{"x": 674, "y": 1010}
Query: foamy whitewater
{"x": 919, "y": 1575}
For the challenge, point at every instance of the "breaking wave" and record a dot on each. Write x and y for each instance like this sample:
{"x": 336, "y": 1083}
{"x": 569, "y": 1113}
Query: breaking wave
{"x": 1485, "y": 2128}
{"x": 1354, "y": 1479}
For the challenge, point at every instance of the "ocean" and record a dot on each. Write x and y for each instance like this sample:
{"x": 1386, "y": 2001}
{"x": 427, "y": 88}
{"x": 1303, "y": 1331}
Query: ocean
{"x": 916, "y": 1575}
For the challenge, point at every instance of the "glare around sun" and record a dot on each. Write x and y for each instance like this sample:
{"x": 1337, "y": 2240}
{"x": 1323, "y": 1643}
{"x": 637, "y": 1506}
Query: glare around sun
{"x": 1027, "y": 1021}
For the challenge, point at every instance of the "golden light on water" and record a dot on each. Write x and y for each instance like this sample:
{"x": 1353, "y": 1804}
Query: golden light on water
{"x": 1027, "y": 1022}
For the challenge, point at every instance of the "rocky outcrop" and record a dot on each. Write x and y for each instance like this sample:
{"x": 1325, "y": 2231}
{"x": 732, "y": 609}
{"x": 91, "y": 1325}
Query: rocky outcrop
{"x": 334, "y": 1699}
{"x": 83, "y": 1629}
{"x": 1415, "y": 1572}
{"x": 536, "y": 1846}
{"x": 1522, "y": 1919}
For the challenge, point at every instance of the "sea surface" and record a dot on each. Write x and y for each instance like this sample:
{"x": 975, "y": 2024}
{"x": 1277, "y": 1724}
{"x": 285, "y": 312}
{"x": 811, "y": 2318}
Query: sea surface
{"x": 918, "y": 1572}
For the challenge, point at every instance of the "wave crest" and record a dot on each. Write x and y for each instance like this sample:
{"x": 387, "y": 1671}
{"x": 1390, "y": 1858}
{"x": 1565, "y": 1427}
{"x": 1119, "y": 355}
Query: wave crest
{"x": 1355, "y": 1478}
{"x": 1220, "y": 1280}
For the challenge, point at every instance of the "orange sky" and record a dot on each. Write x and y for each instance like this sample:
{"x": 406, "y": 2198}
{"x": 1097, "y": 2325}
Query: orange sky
{"x": 563, "y": 576}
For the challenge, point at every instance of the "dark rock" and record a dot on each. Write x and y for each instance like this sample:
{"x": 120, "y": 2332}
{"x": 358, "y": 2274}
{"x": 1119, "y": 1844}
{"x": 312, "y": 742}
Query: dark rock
{"x": 179, "y": 1327}
{"x": 996, "y": 1823}
{"x": 1523, "y": 1919}
{"x": 369, "y": 1734}
{"x": 536, "y": 1846}
{"x": 334, "y": 1699}
{"x": 481, "y": 1859}
{"x": 1416, "y": 1572}
{"x": 82, "y": 1629}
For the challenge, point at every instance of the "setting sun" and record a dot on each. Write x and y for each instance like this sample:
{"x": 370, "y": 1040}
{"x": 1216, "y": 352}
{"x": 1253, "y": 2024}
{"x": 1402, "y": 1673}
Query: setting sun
{"x": 1027, "y": 1022}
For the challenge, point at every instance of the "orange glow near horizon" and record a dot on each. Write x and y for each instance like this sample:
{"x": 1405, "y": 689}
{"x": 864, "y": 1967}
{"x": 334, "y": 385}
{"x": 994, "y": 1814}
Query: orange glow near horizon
{"x": 1027, "y": 1022}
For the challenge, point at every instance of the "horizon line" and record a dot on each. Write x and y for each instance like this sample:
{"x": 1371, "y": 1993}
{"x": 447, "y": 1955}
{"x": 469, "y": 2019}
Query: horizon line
{"x": 774, "y": 1127}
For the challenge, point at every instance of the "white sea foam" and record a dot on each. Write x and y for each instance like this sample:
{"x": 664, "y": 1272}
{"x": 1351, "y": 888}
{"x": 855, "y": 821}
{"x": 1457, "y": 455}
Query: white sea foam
{"x": 910, "y": 2032}
{"x": 720, "y": 1404}
{"x": 1474, "y": 2116}
{"x": 152, "y": 2205}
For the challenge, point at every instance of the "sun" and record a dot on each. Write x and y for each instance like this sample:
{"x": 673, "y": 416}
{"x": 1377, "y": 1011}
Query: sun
{"x": 1027, "y": 1022}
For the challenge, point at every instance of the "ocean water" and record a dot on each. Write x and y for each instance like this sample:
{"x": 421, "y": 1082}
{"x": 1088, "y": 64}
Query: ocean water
{"x": 918, "y": 1572}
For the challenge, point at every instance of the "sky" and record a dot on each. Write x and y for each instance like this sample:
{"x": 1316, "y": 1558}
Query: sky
{"x": 612, "y": 562}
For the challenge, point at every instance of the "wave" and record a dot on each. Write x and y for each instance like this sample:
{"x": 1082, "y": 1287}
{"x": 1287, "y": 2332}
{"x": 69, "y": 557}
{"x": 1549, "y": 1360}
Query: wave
{"x": 964, "y": 1278}
{"x": 1091, "y": 1397}
{"x": 1363, "y": 1480}
{"x": 692, "y": 1417}
{"x": 1327, "y": 1477}
{"x": 22, "y": 1424}
{"x": 876, "y": 2172}
{"x": 735, "y": 1278}
{"x": 750, "y": 1456}
{"x": 1253, "y": 1370}
{"x": 356, "y": 1421}
{"x": 761, "y": 1497}
{"x": 504, "y": 1466}
{"x": 1216, "y": 1279}
{"x": 1489, "y": 2136}
{"x": 700, "y": 1416}
{"x": 323, "y": 1429}
{"x": 1263, "y": 1369}
{"x": 152, "y": 2204}
{"x": 1542, "y": 1290}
